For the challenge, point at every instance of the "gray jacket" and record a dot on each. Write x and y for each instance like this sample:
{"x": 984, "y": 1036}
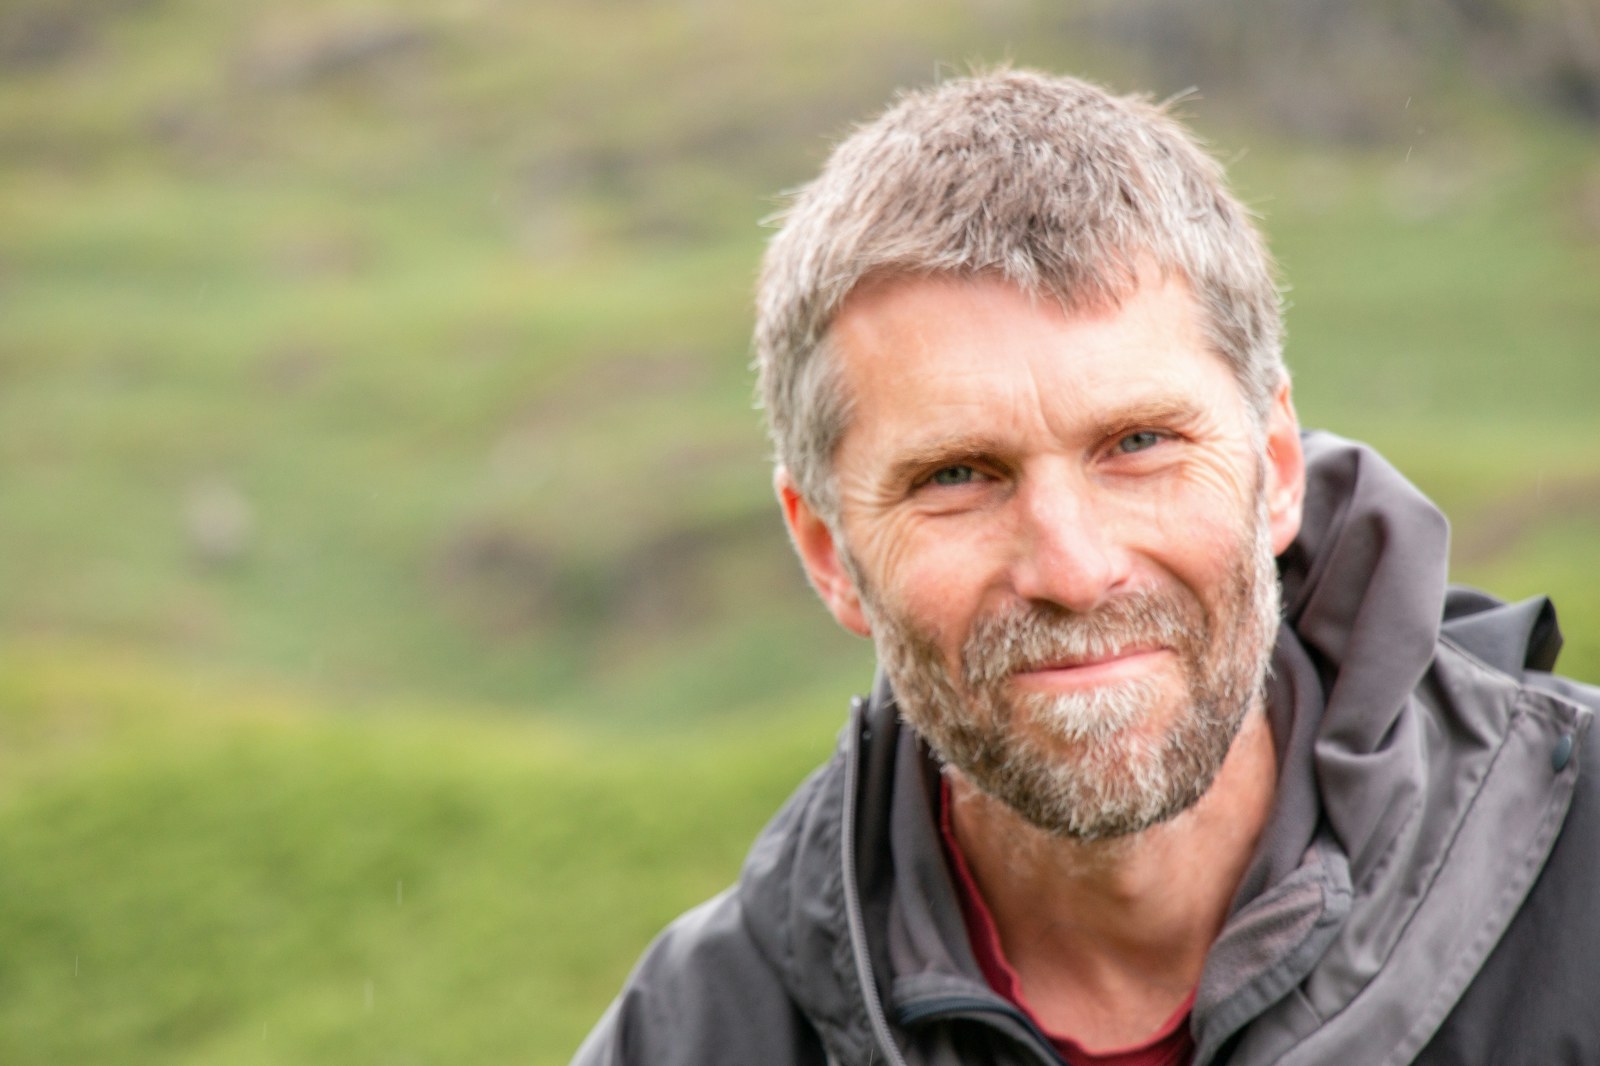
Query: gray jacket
{"x": 1425, "y": 889}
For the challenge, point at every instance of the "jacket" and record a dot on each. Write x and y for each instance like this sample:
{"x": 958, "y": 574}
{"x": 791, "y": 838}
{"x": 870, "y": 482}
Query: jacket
{"x": 1424, "y": 890}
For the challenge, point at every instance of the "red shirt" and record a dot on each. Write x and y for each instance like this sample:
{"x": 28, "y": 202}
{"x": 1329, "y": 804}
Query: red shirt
{"x": 1172, "y": 1045}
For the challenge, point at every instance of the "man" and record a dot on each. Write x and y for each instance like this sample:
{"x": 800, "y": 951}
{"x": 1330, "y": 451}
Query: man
{"x": 1182, "y": 751}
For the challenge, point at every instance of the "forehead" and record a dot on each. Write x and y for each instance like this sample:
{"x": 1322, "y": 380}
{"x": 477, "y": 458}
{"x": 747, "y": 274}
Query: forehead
{"x": 921, "y": 356}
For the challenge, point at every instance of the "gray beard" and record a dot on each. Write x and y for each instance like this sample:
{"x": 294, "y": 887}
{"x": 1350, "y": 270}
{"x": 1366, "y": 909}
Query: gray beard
{"x": 1077, "y": 764}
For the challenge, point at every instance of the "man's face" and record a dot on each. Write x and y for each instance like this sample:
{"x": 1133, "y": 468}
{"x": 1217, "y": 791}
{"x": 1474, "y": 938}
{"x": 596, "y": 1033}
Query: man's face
{"x": 1059, "y": 531}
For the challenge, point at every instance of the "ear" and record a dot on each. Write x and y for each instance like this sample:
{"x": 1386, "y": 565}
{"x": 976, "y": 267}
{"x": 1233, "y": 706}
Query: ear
{"x": 1285, "y": 472}
{"x": 819, "y": 554}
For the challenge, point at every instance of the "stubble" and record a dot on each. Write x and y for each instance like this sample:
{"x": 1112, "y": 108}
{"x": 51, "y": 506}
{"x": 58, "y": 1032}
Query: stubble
{"x": 1115, "y": 759}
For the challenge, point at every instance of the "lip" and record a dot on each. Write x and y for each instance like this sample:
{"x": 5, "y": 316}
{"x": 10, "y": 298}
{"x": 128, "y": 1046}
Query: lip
{"x": 1120, "y": 665}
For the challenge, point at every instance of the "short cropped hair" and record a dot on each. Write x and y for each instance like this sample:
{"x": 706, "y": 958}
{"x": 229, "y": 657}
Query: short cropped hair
{"x": 1050, "y": 183}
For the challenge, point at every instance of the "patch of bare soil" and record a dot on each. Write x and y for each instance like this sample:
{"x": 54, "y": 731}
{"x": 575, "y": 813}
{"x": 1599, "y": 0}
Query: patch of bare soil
{"x": 502, "y": 584}
{"x": 618, "y": 378}
{"x": 1497, "y": 528}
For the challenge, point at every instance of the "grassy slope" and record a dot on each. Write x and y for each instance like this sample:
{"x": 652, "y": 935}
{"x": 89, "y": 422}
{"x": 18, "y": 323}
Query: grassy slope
{"x": 459, "y": 325}
{"x": 194, "y": 872}
{"x": 1444, "y": 306}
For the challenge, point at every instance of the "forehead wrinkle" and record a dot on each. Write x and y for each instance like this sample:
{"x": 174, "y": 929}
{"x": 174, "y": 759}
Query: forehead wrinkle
{"x": 1087, "y": 417}
{"x": 1113, "y": 397}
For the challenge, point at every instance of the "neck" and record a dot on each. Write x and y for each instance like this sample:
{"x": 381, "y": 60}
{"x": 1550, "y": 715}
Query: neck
{"x": 1109, "y": 937}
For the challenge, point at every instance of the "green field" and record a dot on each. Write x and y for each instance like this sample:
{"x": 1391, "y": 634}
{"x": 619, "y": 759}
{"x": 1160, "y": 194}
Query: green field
{"x": 197, "y": 872}
{"x": 395, "y": 627}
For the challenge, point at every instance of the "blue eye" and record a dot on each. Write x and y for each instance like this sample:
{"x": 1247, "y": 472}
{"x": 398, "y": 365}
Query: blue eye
{"x": 1138, "y": 442}
{"x": 953, "y": 475}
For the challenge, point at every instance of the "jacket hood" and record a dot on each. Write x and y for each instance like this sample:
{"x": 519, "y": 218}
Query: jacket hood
{"x": 1363, "y": 586}
{"x": 1366, "y": 599}
{"x": 1413, "y": 756}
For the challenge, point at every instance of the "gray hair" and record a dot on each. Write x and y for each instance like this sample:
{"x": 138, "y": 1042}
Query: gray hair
{"x": 1050, "y": 183}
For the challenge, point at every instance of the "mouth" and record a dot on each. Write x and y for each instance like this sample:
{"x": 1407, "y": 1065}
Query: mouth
{"x": 1120, "y": 664}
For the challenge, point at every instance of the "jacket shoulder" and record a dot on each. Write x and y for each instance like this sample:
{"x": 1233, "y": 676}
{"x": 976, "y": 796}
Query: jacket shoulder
{"x": 1531, "y": 1002}
{"x": 703, "y": 995}
{"x": 716, "y": 986}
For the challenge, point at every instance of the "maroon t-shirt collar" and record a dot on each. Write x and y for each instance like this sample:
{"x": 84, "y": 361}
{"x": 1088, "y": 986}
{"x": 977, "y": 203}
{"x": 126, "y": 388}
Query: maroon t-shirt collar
{"x": 1172, "y": 1044}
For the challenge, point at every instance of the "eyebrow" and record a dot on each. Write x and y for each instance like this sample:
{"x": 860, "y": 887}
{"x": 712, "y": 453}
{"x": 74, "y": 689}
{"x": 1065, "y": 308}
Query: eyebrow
{"x": 942, "y": 452}
{"x": 1161, "y": 411}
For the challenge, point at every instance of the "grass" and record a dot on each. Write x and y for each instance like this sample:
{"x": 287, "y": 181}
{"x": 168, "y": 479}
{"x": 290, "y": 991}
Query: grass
{"x": 193, "y": 871}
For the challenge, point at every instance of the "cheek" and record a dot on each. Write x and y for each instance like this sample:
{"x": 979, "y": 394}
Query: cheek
{"x": 1227, "y": 478}
{"x": 934, "y": 581}
{"x": 1213, "y": 493}
{"x": 1196, "y": 525}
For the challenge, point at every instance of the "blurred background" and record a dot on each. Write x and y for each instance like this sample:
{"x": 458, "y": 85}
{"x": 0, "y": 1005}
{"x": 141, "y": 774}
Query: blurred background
{"x": 395, "y": 626}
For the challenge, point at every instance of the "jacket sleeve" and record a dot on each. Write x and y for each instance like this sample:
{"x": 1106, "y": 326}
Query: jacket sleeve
{"x": 702, "y": 995}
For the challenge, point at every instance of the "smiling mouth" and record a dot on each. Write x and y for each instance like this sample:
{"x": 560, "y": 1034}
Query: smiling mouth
{"x": 1109, "y": 668}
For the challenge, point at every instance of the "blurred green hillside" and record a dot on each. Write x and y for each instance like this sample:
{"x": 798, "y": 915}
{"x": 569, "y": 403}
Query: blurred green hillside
{"x": 402, "y": 349}
{"x": 385, "y": 528}
{"x": 200, "y": 873}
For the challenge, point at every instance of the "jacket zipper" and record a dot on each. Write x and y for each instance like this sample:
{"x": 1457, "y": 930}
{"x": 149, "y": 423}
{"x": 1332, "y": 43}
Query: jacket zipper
{"x": 978, "y": 1008}
{"x": 852, "y": 897}
{"x": 968, "y": 1006}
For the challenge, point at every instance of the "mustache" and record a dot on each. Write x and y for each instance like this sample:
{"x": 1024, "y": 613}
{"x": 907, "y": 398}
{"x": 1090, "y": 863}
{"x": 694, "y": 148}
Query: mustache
{"x": 1031, "y": 636}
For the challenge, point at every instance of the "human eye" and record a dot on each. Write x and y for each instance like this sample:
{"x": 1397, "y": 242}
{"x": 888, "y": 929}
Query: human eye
{"x": 1138, "y": 441}
{"x": 951, "y": 477}
{"x": 956, "y": 474}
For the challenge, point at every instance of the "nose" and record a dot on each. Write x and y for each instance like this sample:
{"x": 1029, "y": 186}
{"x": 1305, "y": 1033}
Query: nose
{"x": 1068, "y": 550}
